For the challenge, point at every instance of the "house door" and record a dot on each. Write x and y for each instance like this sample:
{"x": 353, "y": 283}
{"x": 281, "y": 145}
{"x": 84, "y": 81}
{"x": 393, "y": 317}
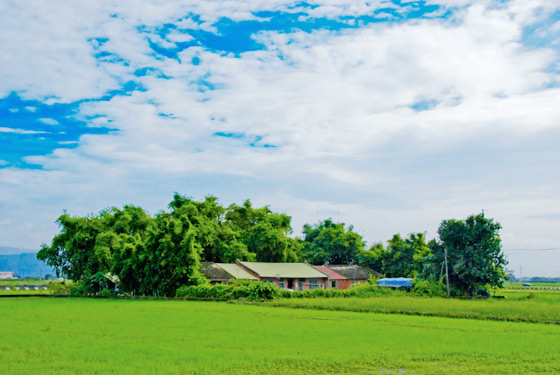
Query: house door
{"x": 290, "y": 284}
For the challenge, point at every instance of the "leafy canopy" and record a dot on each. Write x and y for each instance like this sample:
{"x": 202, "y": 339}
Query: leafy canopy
{"x": 331, "y": 243}
{"x": 156, "y": 255}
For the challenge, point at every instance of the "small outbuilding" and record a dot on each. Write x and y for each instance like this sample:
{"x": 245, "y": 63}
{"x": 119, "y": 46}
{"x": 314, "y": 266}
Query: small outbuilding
{"x": 6, "y": 275}
{"x": 353, "y": 274}
{"x": 335, "y": 281}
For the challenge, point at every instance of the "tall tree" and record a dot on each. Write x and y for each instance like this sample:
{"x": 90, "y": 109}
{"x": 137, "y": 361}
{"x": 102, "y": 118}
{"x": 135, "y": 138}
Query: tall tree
{"x": 168, "y": 256}
{"x": 331, "y": 243}
{"x": 474, "y": 253}
{"x": 373, "y": 257}
{"x": 265, "y": 233}
{"x": 405, "y": 257}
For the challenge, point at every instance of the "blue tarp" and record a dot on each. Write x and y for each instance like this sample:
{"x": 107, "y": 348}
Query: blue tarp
{"x": 395, "y": 281}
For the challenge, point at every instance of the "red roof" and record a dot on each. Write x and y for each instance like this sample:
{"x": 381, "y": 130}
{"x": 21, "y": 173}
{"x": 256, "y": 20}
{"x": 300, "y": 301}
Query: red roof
{"x": 332, "y": 275}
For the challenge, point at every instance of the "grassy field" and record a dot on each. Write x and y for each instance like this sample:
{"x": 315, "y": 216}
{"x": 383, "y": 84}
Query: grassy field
{"x": 539, "y": 306}
{"x": 20, "y": 284}
{"x": 97, "y": 336}
{"x": 534, "y": 285}
{"x": 16, "y": 282}
{"x": 19, "y": 292}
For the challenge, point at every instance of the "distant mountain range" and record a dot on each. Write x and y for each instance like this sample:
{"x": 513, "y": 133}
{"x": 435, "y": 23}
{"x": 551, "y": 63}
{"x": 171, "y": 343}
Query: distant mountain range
{"x": 5, "y": 250}
{"x": 22, "y": 262}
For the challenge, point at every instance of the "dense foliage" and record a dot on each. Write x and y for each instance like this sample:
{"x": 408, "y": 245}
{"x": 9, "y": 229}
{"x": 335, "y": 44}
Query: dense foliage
{"x": 474, "y": 254}
{"x": 241, "y": 289}
{"x": 475, "y": 258}
{"x": 157, "y": 255}
{"x": 331, "y": 243}
{"x": 403, "y": 257}
{"x": 254, "y": 290}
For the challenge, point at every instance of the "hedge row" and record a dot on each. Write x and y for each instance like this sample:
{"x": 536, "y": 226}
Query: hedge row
{"x": 254, "y": 290}
{"x": 251, "y": 290}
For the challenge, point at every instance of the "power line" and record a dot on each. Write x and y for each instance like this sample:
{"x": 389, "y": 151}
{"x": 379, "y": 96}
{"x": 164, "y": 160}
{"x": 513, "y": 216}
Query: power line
{"x": 520, "y": 251}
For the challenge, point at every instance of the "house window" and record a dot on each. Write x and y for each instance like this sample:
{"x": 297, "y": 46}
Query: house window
{"x": 300, "y": 286}
{"x": 334, "y": 284}
{"x": 281, "y": 285}
{"x": 313, "y": 283}
{"x": 268, "y": 281}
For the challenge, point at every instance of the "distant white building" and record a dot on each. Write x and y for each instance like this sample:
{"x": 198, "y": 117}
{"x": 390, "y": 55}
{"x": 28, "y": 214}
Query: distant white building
{"x": 4, "y": 275}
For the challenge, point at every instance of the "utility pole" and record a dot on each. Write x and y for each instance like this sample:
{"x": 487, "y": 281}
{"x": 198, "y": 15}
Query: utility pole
{"x": 446, "y": 272}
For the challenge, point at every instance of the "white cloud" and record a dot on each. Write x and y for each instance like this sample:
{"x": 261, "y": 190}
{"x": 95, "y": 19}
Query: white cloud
{"x": 20, "y": 131}
{"x": 178, "y": 37}
{"x": 49, "y": 121}
{"x": 337, "y": 104}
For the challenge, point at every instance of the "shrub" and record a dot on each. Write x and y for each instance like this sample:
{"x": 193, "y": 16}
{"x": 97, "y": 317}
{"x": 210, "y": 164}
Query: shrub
{"x": 370, "y": 290}
{"x": 253, "y": 290}
{"x": 427, "y": 288}
{"x": 105, "y": 293}
{"x": 286, "y": 293}
{"x": 60, "y": 288}
{"x": 298, "y": 294}
{"x": 319, "y": 292}
{"x": 266, "y": 291}
{"x": 79, "y": 289}
{"x": 195, "y": 291}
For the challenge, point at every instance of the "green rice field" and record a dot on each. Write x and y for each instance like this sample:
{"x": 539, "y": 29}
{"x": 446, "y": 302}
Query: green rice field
{"x": 20, "y": 292}
{"x": 541, "y": 306}
{"x": 20, "y": 284}
{"x": 107, "y": 336}
{"x": 533, "y": 285}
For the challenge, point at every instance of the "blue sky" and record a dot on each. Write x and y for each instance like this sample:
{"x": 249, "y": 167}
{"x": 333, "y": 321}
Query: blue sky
{"x": 388, "y": 115}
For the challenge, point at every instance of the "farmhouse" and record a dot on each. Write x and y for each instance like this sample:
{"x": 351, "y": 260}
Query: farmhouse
{"x": 4, "y": 275}
{"x": 295, "y": 276}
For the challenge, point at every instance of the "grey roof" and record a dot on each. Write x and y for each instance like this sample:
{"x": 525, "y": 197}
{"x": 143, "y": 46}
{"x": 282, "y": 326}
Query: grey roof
{"x": 214, "y": 272}
{"x": 224, "y": 271}
{"x": 236, "y": 271}
{"x": 284, "y": 270}
{"x": 353, "y": 272}
{"x": 113, "y": 278}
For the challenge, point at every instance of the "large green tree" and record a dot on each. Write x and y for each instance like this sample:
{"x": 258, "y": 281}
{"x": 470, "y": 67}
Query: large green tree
{"x": 89, "y": 247}
{"x": 219, "y": 239}
{"x": 373, "y": 257}
{"x": 474, "y": 254}
{"x": 264, "y": 233}
{"x": 332, "y": 243}
{"x": 405, "y": 257}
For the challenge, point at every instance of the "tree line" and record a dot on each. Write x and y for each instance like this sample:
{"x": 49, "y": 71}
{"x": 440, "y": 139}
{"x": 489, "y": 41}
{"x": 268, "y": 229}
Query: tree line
{"x": 155, "y": 255}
